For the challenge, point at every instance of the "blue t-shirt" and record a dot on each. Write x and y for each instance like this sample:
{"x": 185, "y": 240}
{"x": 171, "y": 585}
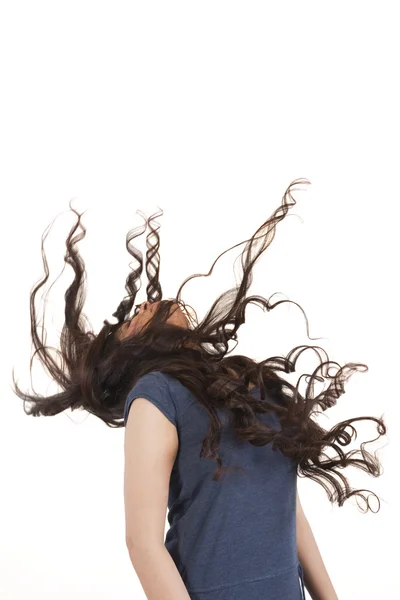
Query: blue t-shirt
{"x": 235, "y": 538}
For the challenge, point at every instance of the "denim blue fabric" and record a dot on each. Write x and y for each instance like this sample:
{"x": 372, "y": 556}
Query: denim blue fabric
{"x": 235, "y": 538}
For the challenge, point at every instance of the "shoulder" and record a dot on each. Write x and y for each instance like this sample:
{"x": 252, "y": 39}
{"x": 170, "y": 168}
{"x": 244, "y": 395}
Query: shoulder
{"x": 152, "y": 378}
{"x": 162, "y": 390}
{"x": 156, "y": 378}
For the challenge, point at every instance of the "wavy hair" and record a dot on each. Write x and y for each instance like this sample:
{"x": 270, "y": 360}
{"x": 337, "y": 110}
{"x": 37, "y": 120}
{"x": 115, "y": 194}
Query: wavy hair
{"x": 96, "y": 371}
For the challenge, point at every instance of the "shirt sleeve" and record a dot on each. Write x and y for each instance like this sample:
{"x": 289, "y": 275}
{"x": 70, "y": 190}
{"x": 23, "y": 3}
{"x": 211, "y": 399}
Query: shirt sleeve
{"x": 154, "y": 387}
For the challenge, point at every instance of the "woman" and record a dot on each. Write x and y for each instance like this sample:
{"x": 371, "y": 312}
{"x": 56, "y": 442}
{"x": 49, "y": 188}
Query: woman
{"x": 237, "y": 532}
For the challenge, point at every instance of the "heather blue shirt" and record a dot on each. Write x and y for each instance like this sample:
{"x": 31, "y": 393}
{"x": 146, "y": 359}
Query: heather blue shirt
{"x": 232, "y": 539}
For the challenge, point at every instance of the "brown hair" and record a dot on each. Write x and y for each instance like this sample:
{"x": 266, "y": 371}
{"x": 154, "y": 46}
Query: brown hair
{"x": 97, "y": 371}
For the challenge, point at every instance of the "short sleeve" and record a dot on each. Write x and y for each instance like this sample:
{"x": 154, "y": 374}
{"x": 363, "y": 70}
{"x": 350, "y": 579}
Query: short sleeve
{"x": 154, "y": 387}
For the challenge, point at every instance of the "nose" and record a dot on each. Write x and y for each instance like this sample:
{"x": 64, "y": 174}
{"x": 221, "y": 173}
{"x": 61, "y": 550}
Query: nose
{"x": 148, "y": 305}
{"x": 143, "y": 307}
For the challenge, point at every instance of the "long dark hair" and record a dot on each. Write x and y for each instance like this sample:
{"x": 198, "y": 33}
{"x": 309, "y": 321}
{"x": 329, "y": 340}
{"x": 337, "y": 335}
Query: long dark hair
{"x": 97, "y": 371}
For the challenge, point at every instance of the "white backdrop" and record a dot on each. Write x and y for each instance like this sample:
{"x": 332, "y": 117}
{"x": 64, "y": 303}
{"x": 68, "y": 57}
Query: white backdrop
{"x": 208, "y": 110}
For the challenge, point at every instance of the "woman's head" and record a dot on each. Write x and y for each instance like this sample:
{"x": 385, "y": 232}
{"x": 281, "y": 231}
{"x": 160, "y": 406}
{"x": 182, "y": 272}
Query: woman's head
{"x": 144, "y": 313}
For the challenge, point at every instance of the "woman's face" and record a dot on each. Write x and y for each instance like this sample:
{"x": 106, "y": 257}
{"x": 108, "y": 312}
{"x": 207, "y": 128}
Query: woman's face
{"x": 144, "y": 313}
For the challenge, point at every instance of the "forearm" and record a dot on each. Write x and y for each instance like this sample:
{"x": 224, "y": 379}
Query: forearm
{"x": 158, "y": 573}
{"x": 316, "y": 578}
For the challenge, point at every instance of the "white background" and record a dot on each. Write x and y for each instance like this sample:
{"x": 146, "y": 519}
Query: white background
{"x": 208, "y": 110}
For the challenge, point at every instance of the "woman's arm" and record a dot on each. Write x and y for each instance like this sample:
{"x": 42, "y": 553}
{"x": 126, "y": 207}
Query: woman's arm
{"x": 316, "y": 578}
{"x": 151, "y": 446}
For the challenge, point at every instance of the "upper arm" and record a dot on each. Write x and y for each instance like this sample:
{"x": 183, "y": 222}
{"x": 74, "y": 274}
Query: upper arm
{"x": 150, "y": 448}
{"x": 299, "y": 508}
